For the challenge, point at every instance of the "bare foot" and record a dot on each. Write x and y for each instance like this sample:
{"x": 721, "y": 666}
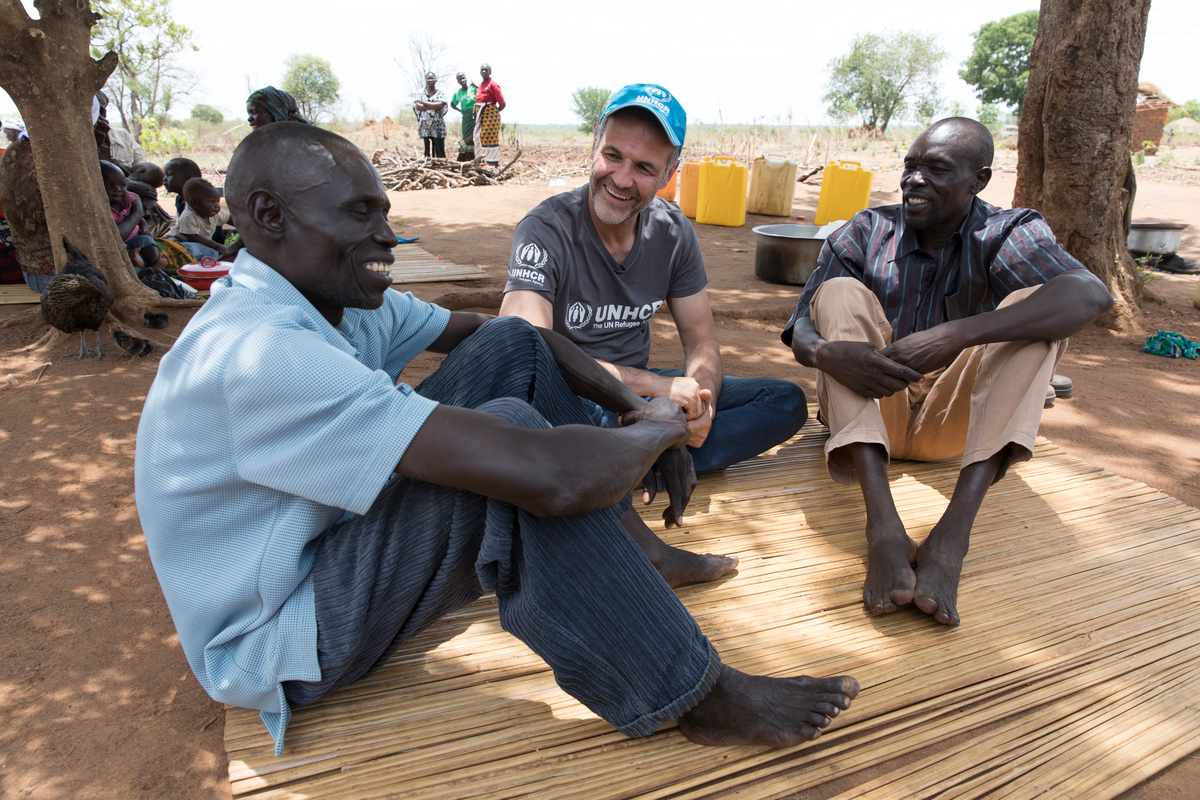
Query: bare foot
{"x": 677, "y": 567}
{"x": 938, "y": 571}
{"x": 746, "y": 709}
{"x": 890, "y": 578}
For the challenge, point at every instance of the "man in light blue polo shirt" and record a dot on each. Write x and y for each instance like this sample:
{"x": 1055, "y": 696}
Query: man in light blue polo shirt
{"x": 321, "y": 513}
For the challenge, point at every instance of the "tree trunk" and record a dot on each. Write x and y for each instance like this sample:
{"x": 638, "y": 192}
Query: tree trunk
{"x": 1076, "y": 127}
{"x": 47, "y": 69}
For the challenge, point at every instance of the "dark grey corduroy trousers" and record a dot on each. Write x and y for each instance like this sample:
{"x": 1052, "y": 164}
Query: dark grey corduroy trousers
{"x": 576, "y": 590}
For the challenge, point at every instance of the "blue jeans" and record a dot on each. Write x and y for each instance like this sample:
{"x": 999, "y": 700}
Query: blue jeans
{"x": 577, "y": 589}
{"x": 753, "y": 415}
{"x": 201, "y": 250}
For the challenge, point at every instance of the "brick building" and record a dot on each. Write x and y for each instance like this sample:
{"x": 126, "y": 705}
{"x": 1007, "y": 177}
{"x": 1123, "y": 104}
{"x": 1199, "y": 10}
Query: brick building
{"x": 1152, "y": 109}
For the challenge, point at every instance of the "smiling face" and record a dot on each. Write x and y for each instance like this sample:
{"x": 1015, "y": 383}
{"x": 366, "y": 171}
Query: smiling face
{"x": 940, "y": 181}
{"x": 629, "y": 164}
{"x": 257, "y": 116}
{"x": 206, "y": 203}
{"x": 343, "y": 241}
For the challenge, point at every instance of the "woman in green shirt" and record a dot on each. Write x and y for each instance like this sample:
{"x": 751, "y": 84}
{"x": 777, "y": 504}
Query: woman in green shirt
{"x": 464, "y": 103}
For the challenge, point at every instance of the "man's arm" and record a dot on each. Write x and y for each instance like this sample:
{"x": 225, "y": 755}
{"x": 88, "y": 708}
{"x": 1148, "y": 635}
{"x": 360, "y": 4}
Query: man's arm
{"x": 856, "y": 365}
{"x": 702, "y": 357}
{"x": 684, "y": 392}
{"x": 540, "y": 470}
{"x": 1058, "y": 309}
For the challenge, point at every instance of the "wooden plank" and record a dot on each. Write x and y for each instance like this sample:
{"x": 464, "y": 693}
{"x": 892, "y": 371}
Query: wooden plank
{"x": 415, "y": 265}
{"x": 1057, "y": 687}
{"x": 12, "y": 293}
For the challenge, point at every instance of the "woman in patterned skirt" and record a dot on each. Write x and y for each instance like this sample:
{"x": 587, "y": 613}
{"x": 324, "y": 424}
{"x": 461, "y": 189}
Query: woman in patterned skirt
{"x": 430, "y": 108}
{"x": 489, "y": 102}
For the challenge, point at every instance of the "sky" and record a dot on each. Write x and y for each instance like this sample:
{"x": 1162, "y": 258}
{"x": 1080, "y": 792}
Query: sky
{"x": 722, "y": 64}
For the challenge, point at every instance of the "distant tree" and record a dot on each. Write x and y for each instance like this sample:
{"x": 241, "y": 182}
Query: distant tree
{"x": 425, "y": 53}
{"x": 988, "y": 114}
{"x": 311, "y": 81}
{"x": 146, "y": 39}
{"x": 881, "y": 75}
{"x": 998, "y": 67}
{"x": 1189, "y": 109}
{"x": 588, "y": 104}
{"x": 207, "y": 114}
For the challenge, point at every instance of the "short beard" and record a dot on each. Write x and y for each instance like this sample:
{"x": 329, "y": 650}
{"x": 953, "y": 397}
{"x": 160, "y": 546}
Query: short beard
{"x": 607, "y": 214}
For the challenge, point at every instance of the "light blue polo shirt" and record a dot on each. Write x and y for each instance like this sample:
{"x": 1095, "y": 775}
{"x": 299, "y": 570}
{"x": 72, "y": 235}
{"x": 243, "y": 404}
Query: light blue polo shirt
{"x": 264, "y": 426}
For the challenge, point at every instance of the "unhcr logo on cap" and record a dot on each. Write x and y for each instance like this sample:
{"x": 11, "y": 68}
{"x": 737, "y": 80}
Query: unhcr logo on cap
{"x": 657, "y": 101}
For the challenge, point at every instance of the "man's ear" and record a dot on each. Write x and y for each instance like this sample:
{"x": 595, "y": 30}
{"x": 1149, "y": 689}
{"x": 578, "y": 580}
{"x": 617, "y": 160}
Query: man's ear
{"x": 982, "y": 178}
{"x": 667, "y": 179}
{"x": 266, "y": 213}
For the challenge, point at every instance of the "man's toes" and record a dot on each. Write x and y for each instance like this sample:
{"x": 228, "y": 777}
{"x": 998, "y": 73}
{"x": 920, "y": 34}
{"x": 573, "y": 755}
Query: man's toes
{"x": 901, "y": 597}
{"x": 926, "y": 604}
{"x": 817, "y": 720}
{"x": 847, "y": 689}
{"x": 947, "y": 616}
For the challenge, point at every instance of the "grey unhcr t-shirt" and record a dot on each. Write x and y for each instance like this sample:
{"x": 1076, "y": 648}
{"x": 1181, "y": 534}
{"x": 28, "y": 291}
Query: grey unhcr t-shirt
{"x": 602, "y": 306}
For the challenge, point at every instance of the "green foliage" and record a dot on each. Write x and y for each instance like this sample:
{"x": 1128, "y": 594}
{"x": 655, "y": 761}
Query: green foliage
{"x": 588, "y": 104}
{"x": 1189, "y": 109}
{"x": 998, "y": 67}
{"x": 881, "y": 74}
{"x": 311, "y": 81}
{"x": 988, "y": 114}
{"x": 146, "y": 38}
{"x": 164, "y": 141}
{"x": 207, "y": 114}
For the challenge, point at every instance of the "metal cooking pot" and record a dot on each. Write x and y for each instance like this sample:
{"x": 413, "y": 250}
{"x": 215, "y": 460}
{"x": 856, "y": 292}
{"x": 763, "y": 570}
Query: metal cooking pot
{"x": 1154, "y": 238}
{"x": 788, "y": 253}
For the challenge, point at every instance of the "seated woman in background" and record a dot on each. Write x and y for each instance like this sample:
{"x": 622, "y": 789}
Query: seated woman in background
{"x": 269, "y": 104}
{"x": 127, "y": 212}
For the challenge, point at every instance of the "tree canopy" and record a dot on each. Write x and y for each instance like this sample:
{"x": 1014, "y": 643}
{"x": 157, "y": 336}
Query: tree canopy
{"x": 881, "y": 75}
{"x": 588, "y": 104}
{"x": 311, "y": 81}
{"x": 145, "y": 38}
{"x": 998, "y": 67}
{"x": 207, "y": 113}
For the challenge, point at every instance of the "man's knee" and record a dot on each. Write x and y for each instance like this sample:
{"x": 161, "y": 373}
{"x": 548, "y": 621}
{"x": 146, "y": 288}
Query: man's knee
{"x": 513, "y": 328}
{"x": 845, "y": 307}
{"x": 515, "y": 411}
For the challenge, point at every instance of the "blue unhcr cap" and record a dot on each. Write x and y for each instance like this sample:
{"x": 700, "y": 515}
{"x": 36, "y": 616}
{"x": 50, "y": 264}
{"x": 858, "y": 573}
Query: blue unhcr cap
{"x": 658, "y": 101}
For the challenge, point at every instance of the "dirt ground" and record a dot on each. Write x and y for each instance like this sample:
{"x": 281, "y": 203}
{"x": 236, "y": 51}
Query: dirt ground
{"x": 96, "y": 698}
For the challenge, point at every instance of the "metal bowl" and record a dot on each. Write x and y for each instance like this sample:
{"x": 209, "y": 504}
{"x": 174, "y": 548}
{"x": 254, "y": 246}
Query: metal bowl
{"x": 787, "y": 253}
{"x": 1154, "y": 238}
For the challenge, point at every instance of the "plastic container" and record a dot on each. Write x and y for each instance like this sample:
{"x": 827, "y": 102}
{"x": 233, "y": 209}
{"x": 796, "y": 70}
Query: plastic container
{"x": 845, "y": 191}
{"x": 668, "y": 192}
{"x": 201, "y": 275}
{"x": 721, "y": 198}
{"x": 689, "y": 187}
{"x": 772, "y": 186}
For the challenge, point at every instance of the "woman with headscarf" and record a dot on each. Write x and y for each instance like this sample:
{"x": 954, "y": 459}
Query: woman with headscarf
{"x": 464, "y": 103}
{"x": 430, "y": 108}
{"x": 489, "y": 102}
{"x": 269, "y": 105}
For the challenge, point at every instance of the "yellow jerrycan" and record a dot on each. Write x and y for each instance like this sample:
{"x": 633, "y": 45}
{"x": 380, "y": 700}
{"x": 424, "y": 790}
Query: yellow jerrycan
{"x": 689, "y": 186}
{"x": 772, "y": 186}
{"x": 721, "y": 199}
{"x": 845, "y": 191}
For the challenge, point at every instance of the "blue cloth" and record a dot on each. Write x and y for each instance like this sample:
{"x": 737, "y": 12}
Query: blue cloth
{"x": 753, "y": 415}
{"x": 138, "y": 242}
{"x": 296, "y": 423}
{"x": 576, "y": 589}
{"x": 37, "y": 282}
{"x": 201, "y": 250}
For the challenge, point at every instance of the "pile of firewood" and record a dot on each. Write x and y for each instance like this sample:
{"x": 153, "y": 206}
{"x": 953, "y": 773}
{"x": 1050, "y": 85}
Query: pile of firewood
{"x": 401, "y": 173}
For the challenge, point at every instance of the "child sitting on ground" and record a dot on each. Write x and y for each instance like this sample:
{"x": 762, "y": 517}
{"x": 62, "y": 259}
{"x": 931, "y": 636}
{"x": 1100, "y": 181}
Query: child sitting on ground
{"x": 195, "y": 226}
{"x": 127, "y": 212}
{"x": 144, "y": 179}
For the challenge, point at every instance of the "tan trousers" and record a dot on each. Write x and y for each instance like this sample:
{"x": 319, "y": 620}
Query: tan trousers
{"x": 989, "y": 397}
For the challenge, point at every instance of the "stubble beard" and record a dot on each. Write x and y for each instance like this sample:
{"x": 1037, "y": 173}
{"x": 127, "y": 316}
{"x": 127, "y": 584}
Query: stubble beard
{"x": 606, "y": 213}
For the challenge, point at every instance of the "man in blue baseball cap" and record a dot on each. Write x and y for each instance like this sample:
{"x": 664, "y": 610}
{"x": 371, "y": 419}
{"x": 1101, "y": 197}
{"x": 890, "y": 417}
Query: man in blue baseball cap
{"x": 597, "y": 262}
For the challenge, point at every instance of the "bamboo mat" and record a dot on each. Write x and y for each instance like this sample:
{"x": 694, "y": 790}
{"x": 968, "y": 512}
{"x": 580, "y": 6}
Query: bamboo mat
{"x": 1075, "y": 673}
{"x": 414, "y": 265}
{"x": 11, "y": 293}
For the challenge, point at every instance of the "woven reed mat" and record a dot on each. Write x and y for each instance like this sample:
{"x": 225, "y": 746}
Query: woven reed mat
{"x": 1075, "y": 673}
{"x": 11, "y": 293}
{"x": 414, "y": 265}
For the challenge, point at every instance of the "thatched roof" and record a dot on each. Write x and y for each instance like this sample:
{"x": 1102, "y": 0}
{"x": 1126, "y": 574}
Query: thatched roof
{"x": 1150, "y": 97}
